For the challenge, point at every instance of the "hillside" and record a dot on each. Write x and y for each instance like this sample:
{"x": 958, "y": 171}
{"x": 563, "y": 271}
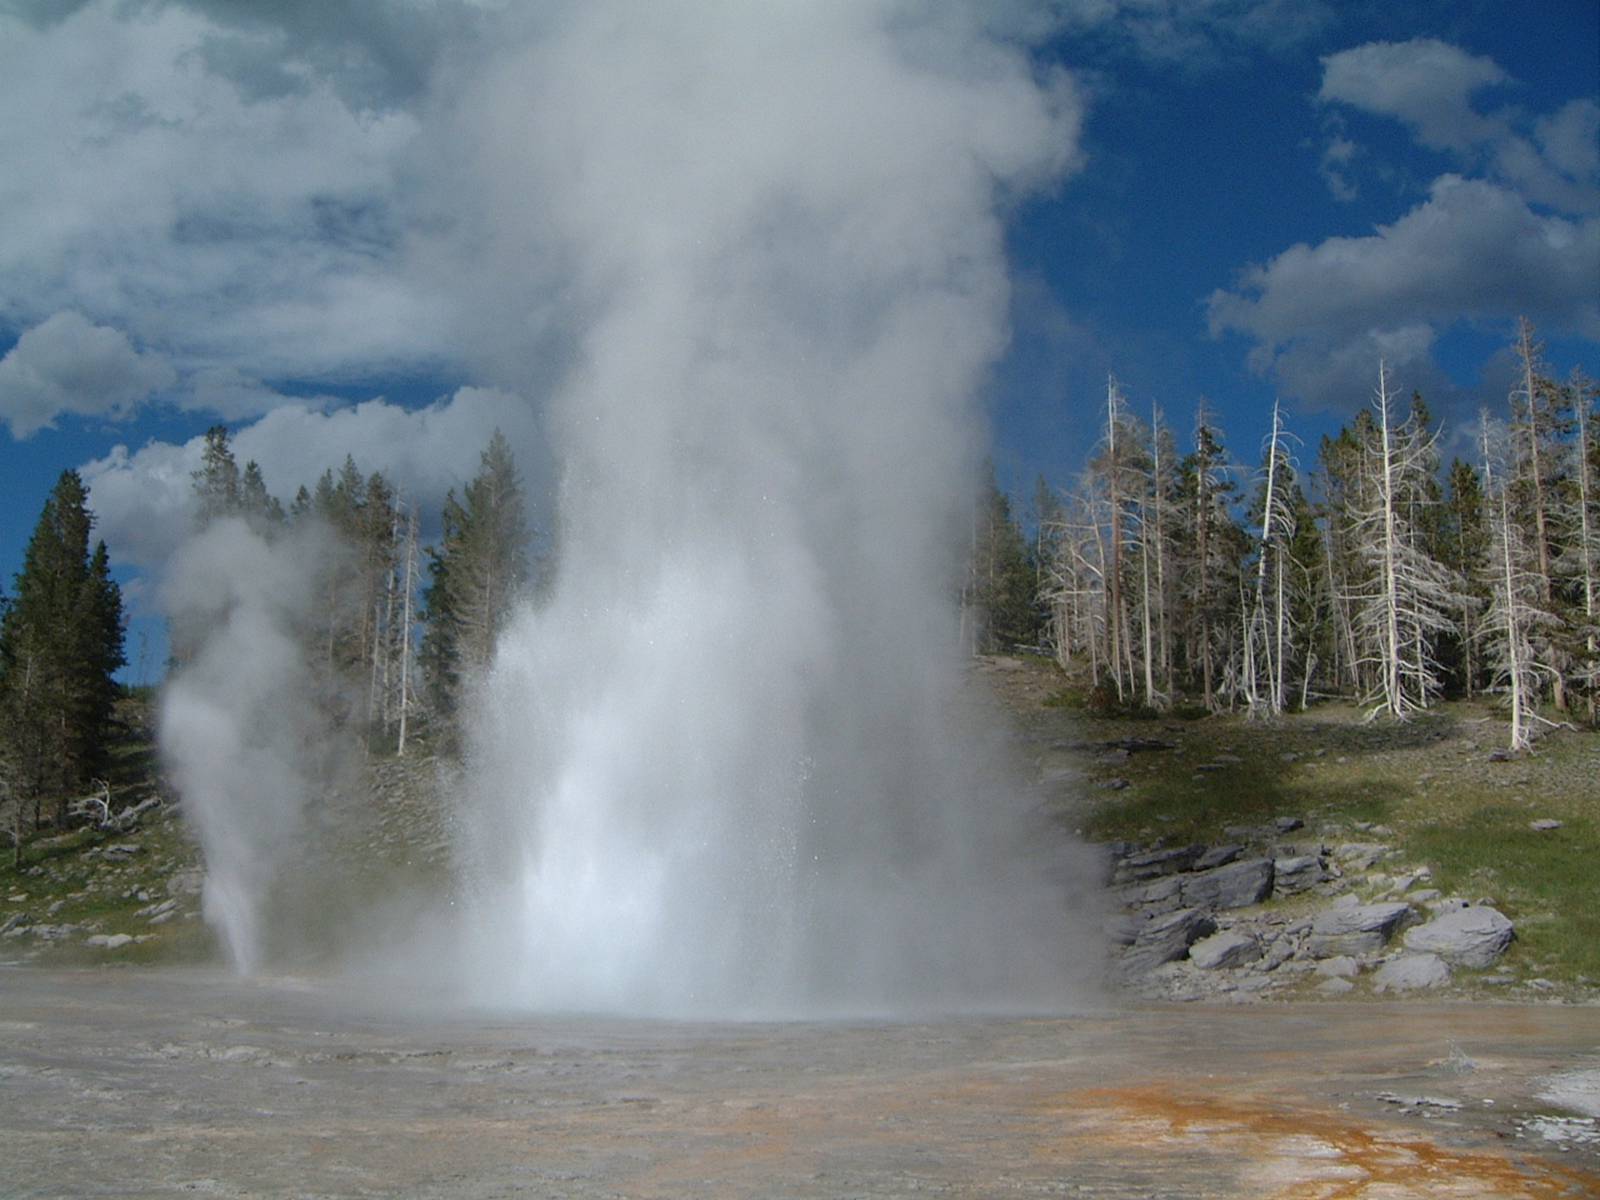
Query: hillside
{"x": 1430, "y": 813}
{"x": 1427, "y": 814}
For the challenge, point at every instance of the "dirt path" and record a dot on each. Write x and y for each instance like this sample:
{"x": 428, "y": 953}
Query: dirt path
{"x": 134, "y": 1083}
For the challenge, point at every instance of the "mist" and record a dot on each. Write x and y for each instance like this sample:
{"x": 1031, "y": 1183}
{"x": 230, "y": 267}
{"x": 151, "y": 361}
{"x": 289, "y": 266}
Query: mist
{"x": 241, "y": 737}
{"x": 751, "y": 261}
{"x": 726, "y": 766}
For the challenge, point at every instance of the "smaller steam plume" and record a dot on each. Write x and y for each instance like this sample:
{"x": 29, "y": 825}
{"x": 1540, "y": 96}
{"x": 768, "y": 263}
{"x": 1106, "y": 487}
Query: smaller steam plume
{"x": 240, "y": 738}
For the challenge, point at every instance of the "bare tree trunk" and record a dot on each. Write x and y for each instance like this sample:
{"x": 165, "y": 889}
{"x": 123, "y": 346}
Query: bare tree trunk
{"x": 405, "y": 625}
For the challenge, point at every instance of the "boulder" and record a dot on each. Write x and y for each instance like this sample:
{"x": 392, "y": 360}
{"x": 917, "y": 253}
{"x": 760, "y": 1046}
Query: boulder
{"x": 1355, "y": 928}
{"x": 1227, "y": 949}
{"x": 1153, "y": 863}
{"x": 1233, "y": 886}
{"x": 1120, "y": 930}
{"x": 1168, "y": 937}
{"x": 1218, "y": 856}
{"x": 1160, "y": 894}
{"x": 1409, "y": 972}
{"x": 1336, "y": 987}
{"x": 1544, "y": 825}
{"x": 1360, "y": 856}
{"x": 1341, "y": 967}
{"x": 1297, "y": 873}
{"x": 1468, "y": 937}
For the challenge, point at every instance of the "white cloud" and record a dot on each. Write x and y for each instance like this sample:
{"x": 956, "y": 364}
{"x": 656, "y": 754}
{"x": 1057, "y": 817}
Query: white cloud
{"x": 1571, "y": 139}
{"x": 1514, "y": 233}
{"x": 1426, "y": 83}
{"x": 1334, "y": 166}
{"x": 143, "y": 499}
{"x": 228, "y": 226}
{"x": 1188, "y": 34}
{"x": 1431, "y": 87}
{"x": 68, "y": 364}
{"x": 1473, "y": 250}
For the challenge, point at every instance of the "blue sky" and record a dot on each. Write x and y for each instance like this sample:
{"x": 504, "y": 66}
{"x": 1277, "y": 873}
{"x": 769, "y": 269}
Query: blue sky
{"x": 250, "y": 213}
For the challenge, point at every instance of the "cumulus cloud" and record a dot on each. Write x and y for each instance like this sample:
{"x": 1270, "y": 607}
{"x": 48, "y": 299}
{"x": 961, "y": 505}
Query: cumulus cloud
{"x": 1514, "y": 233}
{"x": 1334, "y": 166}
{"x": 224, "y": 218}
{"x": 1473, "y": 250}
{"x": 1426, "y": 83}
{"x": 68, "y": 364}
{"x": 1190, "y": 34}
{"x": 1434, "y": 89}
{"x": 144, "y": 497}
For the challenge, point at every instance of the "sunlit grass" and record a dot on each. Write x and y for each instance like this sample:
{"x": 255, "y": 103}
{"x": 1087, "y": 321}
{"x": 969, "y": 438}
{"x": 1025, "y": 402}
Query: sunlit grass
{"x": 1429, "y": 787}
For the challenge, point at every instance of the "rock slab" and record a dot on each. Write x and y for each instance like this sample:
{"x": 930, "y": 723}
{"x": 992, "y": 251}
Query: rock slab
{"x": 1236, "y": 885}
{"x": 1355, "y": 929}
{"x": 1410, "y": 972}
{"x": 1467, "y": 937}
{"x": 1227, "y": 949}
{"x": 1168, "y": 937}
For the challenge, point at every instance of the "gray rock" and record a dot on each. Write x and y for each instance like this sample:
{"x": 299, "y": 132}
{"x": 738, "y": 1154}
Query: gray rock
{"x": 1341, "y": 967}
{"x": 1227, "y": 949}
{"x": 1168, "y": 937}
{"x": 109, "y": 941}
{"x": 1296, "y": 873}
{"x": 1161, "y": 894}
{"x": 1278, "y": 953}
{"x": 1218, "y": 856}
{"x": 1154, "y": 863}
{"x": 1359, "y": 856}
{"x": 13, "y": 921}
{"x": 1410, "y": 972}
{"x": 1336, "y": 987}
{"x": 1544, "y": 824}
{"x": 1468, "y": 937}
{"x": 1355, "y": 929}
{"x": 1233, "y": 886}
{"x": 121, "y": 850}
{"x": 1287, "y": 824}
{"x": 1120, "y": 930}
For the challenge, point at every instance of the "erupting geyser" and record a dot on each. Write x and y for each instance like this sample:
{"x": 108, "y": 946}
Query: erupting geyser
{"x": 754, "y": 257}
{"x": 719, "y": 770}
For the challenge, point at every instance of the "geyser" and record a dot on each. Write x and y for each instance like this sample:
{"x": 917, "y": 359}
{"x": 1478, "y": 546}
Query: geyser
{"x": 722, "y": 768}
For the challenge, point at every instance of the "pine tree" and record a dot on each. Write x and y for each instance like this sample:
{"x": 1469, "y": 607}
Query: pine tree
{"x": 1209, "y": 564}
{"x": 1463, "y": 548}
{"x": 476, "y": 572}
{"x": 1004, "y": 577}
{"x": 217, "y": 483}
{"x": 61, "y": 642}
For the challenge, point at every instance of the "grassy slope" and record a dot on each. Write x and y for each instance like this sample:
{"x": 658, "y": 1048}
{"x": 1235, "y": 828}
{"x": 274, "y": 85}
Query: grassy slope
{"x": 379, "y": 842}
{"x": 1430, "y": 781}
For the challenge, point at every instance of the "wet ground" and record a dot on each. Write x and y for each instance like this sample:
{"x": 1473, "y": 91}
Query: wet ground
{"x": 126, "y": 1083}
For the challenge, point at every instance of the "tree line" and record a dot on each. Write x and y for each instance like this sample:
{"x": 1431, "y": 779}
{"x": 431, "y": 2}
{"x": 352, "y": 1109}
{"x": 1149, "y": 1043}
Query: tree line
{"x": 1377, "y": 576}
{"x": 61, "y": 643}
{"x": 397, "y": 631}
{"x": 394, "y": 639}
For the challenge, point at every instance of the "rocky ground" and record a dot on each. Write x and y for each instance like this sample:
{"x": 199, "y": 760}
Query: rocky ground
{"x": 1309, "y": 898}
{"x": 189, "y": 1082}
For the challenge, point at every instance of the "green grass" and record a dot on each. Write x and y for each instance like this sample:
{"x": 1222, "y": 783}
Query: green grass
{"x": 1547, "y": 883}
{"x": 1428, "y": 784}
